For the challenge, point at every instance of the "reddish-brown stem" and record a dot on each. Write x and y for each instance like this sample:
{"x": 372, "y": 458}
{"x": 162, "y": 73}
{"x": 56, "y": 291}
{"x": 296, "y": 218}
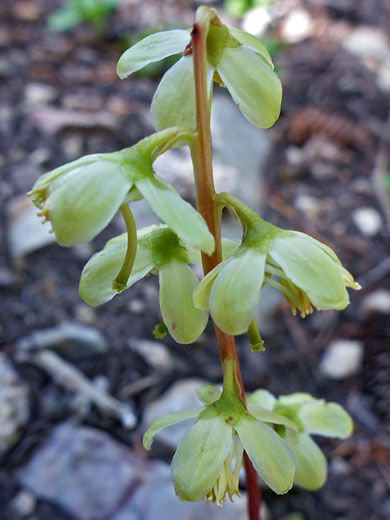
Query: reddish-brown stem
{"x": 253, "y": 490}
{"x": 204, "y": 186}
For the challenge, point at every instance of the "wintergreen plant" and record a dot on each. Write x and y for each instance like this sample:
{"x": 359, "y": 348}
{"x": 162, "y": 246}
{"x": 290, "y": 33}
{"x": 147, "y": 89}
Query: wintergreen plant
{"x": 270, "y": 436}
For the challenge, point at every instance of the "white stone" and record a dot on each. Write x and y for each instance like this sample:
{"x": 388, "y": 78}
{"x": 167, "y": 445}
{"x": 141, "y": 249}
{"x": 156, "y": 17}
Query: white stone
{"x": 377, "y": 302}
{"x": 297, "y": 26}
{"x": 342, "y": 359}
{"x": 154, "y": 352}
{"x": 24, "y": 503}
{"x": 368, "y": 42}
{"x": 310, "y": 206}
{"x": 39, "y": 94}
{"x": 367, "y": 220}
{"x": 256, "y": 21}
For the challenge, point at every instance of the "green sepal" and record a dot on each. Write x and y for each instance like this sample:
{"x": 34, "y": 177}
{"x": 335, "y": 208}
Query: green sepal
{"x": 160, "y": 330}
{"x": 208, "y": 394}
{"x": 166, "y": 421}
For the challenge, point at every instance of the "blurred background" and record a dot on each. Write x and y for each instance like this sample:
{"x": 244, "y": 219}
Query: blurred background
{"x": 79, "y": 385}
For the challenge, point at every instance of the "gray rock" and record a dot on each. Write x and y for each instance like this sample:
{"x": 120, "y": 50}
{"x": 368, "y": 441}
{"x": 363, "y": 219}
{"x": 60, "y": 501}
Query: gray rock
{"x": 83, "y": 470}
{"x": 239, "y": 151}
{"x": 155, "y": 354}
{"x": 367, "y": 220}
{"x": 155, "y": 499}
{"x": 181, "y": 395}
{"x": 26, "y": 232}
{"x": 95, "y": 478}
{"x": 342, "y": 359}
{"x": 70, "y": 340}
{"x": 14, "y": 404}
{"x": 377, "y": 302}
{"x": 50, "y": 120}
{"x": 6, "y": 68}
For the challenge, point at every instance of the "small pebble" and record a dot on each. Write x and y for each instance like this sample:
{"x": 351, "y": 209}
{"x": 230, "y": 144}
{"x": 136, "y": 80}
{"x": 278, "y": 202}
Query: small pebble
{"x": 367, "y": 220}
{"x": 24, "y": 503}
{"x": 342, "y": 359}
{"x": 155, "y": 354}
{"x": 377, "y": 302}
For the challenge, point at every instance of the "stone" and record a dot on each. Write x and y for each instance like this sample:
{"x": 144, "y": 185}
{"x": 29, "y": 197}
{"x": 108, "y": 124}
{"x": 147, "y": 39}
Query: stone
{"x": 342, "y": 359}
{"x": 83, "y": 470}
{"x": 94, "y": 477}
{"x": 39, "y": 94}
{"x": 297, "y": 26}
{"x": 26, "y": 232}
{"x": 155, "y": 354}
{"x": 155, "y": 499}
{"x": 14, "y": 404}
{"x": 181, "y": 395}
{"x": 308, "y": 205}
{"x": 367, "y": 220}
{"x": 378, "y": 302}
{"x": 51, "y": 120}
{"x": 24, "y": 503}
{"x": 368, "y": 43}
{"x": 71, "y": 340}
{"x": 256, "y": 21}
{"x": 239, "y": 151}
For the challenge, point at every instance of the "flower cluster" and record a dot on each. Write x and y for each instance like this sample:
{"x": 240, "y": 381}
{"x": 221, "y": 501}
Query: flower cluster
{"x": 307, "y": 273}
{"x": 275, "y": 434}
{"x": 235, "y": 59}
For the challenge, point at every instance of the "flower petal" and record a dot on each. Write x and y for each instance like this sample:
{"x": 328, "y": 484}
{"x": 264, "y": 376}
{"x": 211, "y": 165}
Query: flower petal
{"x": 310, "y": 463}
{"x": 101, "y": 270}
{"x": 329, "y": 419}
{"x": 82, "y": 203}
{"x": 178, "y": 214}
{"x": 270, "y": 417}
{"x": 153, "y": 48}
{"x": 268, "y": 453}
{"x": 295, "y": 398}
{"x": 312, "y": 270}
{"x": 254, "y": 87}
{"x": 173, "y": 103}
{"x": 200, "y": 457}
{"x": 261, "y": 398}
{"x": 235, "y": 292}
{"x": 202, "y": 292}
{"x": 253, "y": 43}
{"x": 177, "y": 282}
{"x": 168, "y": 420}
{"x": 48, "y": 178}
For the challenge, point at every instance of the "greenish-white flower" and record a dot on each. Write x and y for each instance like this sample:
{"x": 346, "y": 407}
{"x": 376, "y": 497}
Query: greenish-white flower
{"x": 208, "y": 459}
{"x": 304, "y": 270}
{"x": 235, "y": 59}
{"x": 158, "y": 249}
{"x": 311, "y": 417}
{"x": 82, "y": 197}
